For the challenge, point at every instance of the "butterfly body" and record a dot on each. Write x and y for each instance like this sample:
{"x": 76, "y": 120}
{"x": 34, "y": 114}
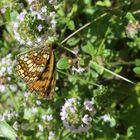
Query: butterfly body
{"x": 36, "y": 68}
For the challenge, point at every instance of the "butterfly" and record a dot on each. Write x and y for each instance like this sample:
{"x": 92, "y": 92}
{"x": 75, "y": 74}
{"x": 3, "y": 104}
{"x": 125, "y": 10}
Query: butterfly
{"x": 36, "y": 68}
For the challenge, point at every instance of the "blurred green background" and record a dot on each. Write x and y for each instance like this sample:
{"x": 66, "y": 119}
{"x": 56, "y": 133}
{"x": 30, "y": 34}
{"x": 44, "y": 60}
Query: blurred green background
{"x": 100, "y": 62}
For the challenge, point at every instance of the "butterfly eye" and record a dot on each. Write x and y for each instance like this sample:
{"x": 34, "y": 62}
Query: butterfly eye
{"x": 38, "y": 59}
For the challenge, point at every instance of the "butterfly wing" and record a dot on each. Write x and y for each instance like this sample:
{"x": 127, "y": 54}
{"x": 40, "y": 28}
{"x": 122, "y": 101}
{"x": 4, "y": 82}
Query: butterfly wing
{"x": 30, "y": 65}
{"x": 36, "y": 68}
{"x": 43, "y": 83}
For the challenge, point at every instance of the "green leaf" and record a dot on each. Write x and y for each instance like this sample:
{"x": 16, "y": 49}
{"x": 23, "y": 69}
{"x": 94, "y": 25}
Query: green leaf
{"x": 98, "y": 69}
{"x": 7, "y": 131}
{"x": 88, "y": 48}
{"x": 137, "y": 70}
{"x": 13, "y": 15}
{"x": 27, "y": 113}
{"x": 73, "y": 41}
{"x": 7, "y": 15}
{"x": 71, "y": 25}
{"x": 106, "y": 3}
{"x": 137, "y": 62}
{"x": 63, "y": 63}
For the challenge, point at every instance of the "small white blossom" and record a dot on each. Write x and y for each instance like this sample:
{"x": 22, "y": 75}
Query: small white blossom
{"x": 15, "y": 125}
{"x": 29, "y": 42}
{"x": 39, "y": 39}
{"x": 9, "y": 70}
{"x": 13, "y": 87}
{"x": 2, "y": 10}
{"x": 30, "y": 1}
{"x": 44, "y": 117}
{"x": 53, "y": 23}
{"x": 72, "y": 110}
{"x": 75, "y": 50}
{"x": 53, "y": 2}
{"x": 2, "y": 88}
{"x": 34, "y": 109}
{"x": 86, "y": 119}
{"x": 38, "y": 102}
{"x": 26, "y": 94}
{"x": 88, "y": 105}
{"x": 2, "y": 118}
{"x": 40, "y": 127}
{"x": 21, "y": 16}
{"x": 79, "y": 70}
{"x": 63, "y": 113}
{"x": 106, "y": 118}
{"x": 49, "y": 117}
{"x": 44, "y": 9}
{"x": 51, "y": 135}
{"x": 40, "y": 27}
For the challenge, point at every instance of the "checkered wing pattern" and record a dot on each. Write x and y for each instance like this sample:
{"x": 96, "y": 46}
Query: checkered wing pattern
{"x": 36, "y": 68}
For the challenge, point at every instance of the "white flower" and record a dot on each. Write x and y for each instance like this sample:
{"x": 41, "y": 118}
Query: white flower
{"x": 29, "y": 42}
{"x": 15, "y": 125}
{"x": 44, "y": 9}
{"x": 9, "y": 70}
{"x": 40, "y": 127}
{"x": 2, "y": 88}
{"x": 38, "y": 102}
{"x": 88, "y": 105}
{"x": 63, "y": 113}
{"x": 71, "y": 116}
{"x": 75, "y": 50}
{"x": 72, "y": 109}
{"x": 53, "y": 2}
{"x": 79, "y": 70}
{"x": 13, "y": 87}
{"x": 40, "y": 27}
{"x": 49, "y": 117}
{"x": 9, "y": 78}
{"x": 2, "y": 10}
{"x": 106, "y": 118}
{"x": 86, "y": 119}
{"x": 26, "y": 94}
{"x": 22, "y": 42}
{"x": 30, "y": 1}
{"x": 3, "y": 69}
{"x": 44, "y": 117}
{"x": 39, "y": 39}
{"x": 51, "y": 135}
{"x": 52, "y": 14}
{"x": 34, "y": 109}
{"x": 53, "y": 23}
{"x": 21, "y": 16}
{"x": 69, "y": 102}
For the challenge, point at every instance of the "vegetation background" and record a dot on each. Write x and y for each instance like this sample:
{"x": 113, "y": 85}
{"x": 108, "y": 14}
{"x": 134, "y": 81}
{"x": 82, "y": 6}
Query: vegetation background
{"x": 97, "y": 70}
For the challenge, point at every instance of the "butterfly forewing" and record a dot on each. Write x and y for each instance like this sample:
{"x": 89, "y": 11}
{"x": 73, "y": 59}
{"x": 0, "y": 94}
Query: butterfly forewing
{"x": 42, "y": 84}
{"x": 36, "y": 68}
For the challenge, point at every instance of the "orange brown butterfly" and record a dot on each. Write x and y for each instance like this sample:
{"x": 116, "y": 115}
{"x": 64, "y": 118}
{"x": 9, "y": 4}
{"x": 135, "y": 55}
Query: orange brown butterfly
{"x": 36, "y": 68}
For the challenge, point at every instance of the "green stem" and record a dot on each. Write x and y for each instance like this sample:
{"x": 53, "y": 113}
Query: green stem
{"x": 83, "y": 27}
{"x": 113, "y": 73}
{"x": 13, "y": 101}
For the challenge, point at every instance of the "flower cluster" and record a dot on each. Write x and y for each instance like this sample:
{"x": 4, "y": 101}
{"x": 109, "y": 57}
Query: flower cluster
{"x": 78, "y": 70}
{"x": 8, "y": 115}
{"x": 37, "y": 25}
{"x": 132, "y": 29}
{"x": 6, "y": 73}
{"x": 77, "y": 117}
